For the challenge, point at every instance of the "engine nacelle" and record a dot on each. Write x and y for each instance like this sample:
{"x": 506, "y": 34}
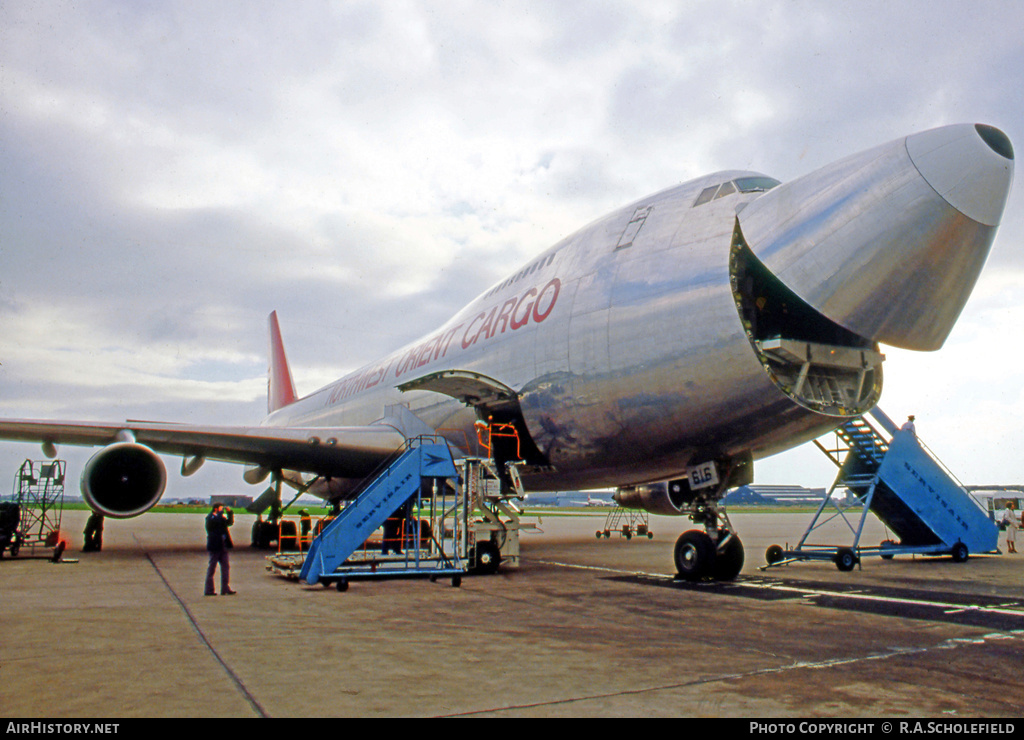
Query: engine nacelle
{"x": 123, "y": 480}
{"x": 705, "y": 484}
{"x": 655, "y": 498}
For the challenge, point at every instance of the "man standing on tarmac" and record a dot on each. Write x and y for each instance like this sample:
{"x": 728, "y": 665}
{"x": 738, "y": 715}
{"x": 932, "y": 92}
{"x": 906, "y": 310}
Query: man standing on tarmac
{"x": 218, "y": 544}
{"x": 93, "y": 533}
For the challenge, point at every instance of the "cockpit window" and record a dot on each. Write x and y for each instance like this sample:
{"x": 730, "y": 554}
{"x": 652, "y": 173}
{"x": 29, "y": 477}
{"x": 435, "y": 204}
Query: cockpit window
{"x": 756, "y": 184}
{"x": 742, "y": 184}
{"x": 705, "y": 195}
{"x": 727, "y": 189}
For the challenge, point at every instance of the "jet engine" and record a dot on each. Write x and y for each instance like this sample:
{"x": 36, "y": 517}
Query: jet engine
{"x": 655, "y": 498}
{"x": 123, "y": 480}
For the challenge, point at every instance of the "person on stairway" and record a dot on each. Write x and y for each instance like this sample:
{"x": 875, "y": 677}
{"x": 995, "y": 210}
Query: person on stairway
{"x": 908, "y": 426}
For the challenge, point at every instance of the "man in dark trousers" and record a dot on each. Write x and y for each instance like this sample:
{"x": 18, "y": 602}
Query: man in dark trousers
{"x": 10, "y": 517}
{"x": 93, "y": 533}
{"x": 218, "y": 544}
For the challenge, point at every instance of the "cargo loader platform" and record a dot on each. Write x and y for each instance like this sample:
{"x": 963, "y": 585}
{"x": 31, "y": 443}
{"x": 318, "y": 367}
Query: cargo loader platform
{"x": 899, "y": 480}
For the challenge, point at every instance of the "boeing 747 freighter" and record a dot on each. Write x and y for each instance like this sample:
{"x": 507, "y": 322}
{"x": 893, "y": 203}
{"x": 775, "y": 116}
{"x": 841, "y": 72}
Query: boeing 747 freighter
{"x": 678, "y": 339}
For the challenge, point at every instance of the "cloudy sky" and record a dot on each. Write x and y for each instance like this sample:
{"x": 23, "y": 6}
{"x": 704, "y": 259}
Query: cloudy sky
{"x": 170, "y": 172}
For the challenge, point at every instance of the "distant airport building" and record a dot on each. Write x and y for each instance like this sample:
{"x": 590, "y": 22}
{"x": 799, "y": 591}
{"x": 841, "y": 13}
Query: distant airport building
{"x": 775, "y": 495}
{"x": 235, "y": 502}
{"x": 766, "y": 495}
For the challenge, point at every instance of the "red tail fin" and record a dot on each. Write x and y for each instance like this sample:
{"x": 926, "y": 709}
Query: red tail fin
{"x": 280, "y": 386}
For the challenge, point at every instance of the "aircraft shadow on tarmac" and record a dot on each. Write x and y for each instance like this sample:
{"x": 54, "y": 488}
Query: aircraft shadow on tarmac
{"x": 978, "y": 610}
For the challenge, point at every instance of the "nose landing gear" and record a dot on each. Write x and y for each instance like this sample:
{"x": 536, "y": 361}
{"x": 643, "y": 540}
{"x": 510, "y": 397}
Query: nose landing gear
{"x": 699, "y": 557}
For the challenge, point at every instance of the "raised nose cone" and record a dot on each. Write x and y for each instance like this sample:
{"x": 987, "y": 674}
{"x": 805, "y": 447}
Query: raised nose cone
{"x": 971, "y": 167}
{"x": 889, "y": 243}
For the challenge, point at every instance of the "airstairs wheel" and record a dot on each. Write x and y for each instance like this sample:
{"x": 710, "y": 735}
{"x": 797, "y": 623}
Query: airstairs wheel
{"x": 694, "y": 555}
{"x": 845, "y": 559}
{"x": 959, "y": 552}
{"x": 774, "y": 554}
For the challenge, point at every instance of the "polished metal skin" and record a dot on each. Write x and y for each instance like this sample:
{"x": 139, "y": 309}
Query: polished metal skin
{"x": 624, "y": 343}
{"x": 633, "y": 362}
{"x": 726, "y": 318}
{"x": 889, "y": 242}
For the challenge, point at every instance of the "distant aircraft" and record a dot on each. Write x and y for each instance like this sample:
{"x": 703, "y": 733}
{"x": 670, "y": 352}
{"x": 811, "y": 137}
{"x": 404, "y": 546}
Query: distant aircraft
{"x": 676, "y": 339}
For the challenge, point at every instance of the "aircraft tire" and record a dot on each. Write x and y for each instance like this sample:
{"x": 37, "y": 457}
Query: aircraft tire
{"x": 729, "y": 560}
{"x": 289, "y": 536}
{"x": 263, "y": 534}
{"x": 694, "y": 555}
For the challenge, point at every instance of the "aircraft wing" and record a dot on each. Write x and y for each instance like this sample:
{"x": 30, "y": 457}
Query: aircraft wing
{"x": 342, "y": 452}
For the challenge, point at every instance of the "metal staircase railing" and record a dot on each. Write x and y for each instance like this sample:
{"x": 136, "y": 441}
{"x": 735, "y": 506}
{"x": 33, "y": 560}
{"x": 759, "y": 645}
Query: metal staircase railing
{"x": 388, "y": 491}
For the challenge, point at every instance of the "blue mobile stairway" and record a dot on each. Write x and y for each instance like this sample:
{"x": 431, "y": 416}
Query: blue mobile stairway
{"x": 928, "y": 511}
{"x": 402, "y": 480}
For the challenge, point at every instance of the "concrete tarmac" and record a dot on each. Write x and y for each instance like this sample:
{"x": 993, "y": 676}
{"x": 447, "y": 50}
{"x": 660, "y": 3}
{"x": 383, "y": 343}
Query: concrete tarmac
{"x": 584, "y": 627}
